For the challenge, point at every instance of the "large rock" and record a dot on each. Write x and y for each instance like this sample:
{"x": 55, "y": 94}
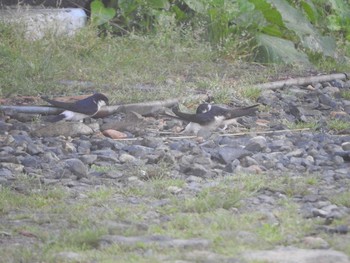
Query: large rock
{"x": 66, "y": 129}
{"x": 39, "y": 22}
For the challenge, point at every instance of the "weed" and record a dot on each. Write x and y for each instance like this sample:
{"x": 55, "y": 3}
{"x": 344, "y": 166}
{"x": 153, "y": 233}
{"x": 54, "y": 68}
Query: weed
{"x": 345, "y": 94}
{"x": 338, "y": 125}
{"x": 251, "y": 93}
{"x": 312, "y": 125}
{"x": 341, "y": 199}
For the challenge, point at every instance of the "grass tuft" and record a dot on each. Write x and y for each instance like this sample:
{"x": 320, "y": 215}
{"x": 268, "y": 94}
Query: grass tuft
{"x": 338, "y": 125}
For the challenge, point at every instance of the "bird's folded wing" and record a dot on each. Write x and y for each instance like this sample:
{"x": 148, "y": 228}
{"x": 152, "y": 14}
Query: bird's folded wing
{"x": 202, "y": 118}
{"x": 85, "y": 106}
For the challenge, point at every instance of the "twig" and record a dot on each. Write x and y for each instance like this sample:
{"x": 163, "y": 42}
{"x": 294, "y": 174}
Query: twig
{"x": 263, "y": 132}
{"x": 182, "y": 137}
{"x": 127, "y": 139}
{"x": 32, "y": 109}
{"x": 143, "y": 108}
{"x": 301, "y": 81}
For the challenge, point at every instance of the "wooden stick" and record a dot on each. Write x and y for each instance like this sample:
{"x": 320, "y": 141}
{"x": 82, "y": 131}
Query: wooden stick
{"x": 128, "y": 139}
{"x": 263, "y": 132}
{"x": 182, "y": 137}
{"x": 32, "y": 109}
{"x": 143, "y": 108}
{"x": 301, "y": 81}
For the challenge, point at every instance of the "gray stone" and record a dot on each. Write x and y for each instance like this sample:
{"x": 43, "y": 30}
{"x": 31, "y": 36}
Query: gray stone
{"x": 38, "y": 22}
{"x": 345, "y": 146}
{"x": 102, "y": 144}
{"x": 68, "y": 147}
{"x": 88, "y": 158}
{"x": 231, "y": 167}
{"x": 196, "y": 170}
{"x": 13, "y": 167}
{"x": 296, "y": 255}
{"x": 160, "y": 241}
{"x": 31, "y": 161}
{"x": 315, "y": 243}
{"x": 69, "y": 257}
{"x": 5, "y": 173}
{"x": 126, "y": 158}
{"x": 228, "y": 154}
{"x": 281, "y": 145}
{"x": 256, "y": 144}
{"x": 84, "y": 147}
{"x": 138, "y": 150}
{"x": 319, "y": 213}
{"x": 296, "y": 153}
{"x": 205, "y": 257}
{"x": 8, "y": 159}
{"x": 34, "y": 149}
{"x": 66, "y": 129}
{"x": 77, "y": 167}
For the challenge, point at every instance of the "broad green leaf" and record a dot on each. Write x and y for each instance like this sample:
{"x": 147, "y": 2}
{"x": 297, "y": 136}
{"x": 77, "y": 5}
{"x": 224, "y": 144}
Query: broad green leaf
{"x": 278, "y": 50}
{"x": 158, "y": 4}
{"x": 127, "y": 7}
{"x": 199, "y": 6}
{"x": 270, "y": 13}
{"x": 101, "y": 14}
{"x": 245, "y": 6}
{"x": 310, "y": 10}
{"x": 320, "y": 44}
{"x": 308, "y": 35}
{"x": 179, "y": 14}
{"x": 272, "y": 30}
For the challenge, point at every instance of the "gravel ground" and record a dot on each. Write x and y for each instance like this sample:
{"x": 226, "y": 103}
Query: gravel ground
{"x": 79, "y": 157}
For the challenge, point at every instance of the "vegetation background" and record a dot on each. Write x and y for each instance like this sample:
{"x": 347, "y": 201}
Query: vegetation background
{"x": 139, "y": 50}
{"x": 216, "y": 45}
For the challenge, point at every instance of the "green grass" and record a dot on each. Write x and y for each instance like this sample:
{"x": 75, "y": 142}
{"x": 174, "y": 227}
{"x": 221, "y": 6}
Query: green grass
{"x": 312, "y": 125}
{"x": 338, "y": 125}
{"x": 251, "y": 93}
{"x": 128, "y": 69}
{"x": 345, "y": 94}
{"x": 60, "y": 220}
{"x": 341, "y": 199}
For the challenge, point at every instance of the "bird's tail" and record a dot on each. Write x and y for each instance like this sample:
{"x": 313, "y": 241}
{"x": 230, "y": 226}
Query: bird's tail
{"x": 239, "y": 112}
{"x": 56, "y": 103}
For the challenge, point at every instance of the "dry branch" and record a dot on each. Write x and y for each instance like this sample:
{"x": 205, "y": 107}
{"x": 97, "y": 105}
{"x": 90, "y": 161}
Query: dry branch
{"x": 143, "y": 108}
{"x": 263, "y": 132}
{"x": 301, "y": 81}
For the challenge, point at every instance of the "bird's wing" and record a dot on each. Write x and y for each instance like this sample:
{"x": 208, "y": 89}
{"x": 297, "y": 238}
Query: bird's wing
{"x": 201, "y": 118}
{"x": 239, "y": 112}
{"x": 85, "y": 106}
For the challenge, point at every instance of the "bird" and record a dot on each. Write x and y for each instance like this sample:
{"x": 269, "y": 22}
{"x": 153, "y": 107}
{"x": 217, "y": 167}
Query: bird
{"x": 210, "y": 116}
{"x": 79, "y": 110}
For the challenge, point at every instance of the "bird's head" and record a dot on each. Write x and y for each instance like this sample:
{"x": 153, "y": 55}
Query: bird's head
{"x": 100, "y": 99}
{"x": 203, "y": 108}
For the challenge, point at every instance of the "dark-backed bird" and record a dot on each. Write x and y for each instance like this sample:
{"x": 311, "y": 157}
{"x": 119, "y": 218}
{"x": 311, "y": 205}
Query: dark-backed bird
{"x": 210, "y": 116}
{"x": 79, "y": 110}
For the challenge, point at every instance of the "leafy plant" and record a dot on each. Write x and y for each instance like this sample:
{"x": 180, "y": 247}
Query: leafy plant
{"x": 101, "y": 14}
{"x": 284, "y": 31}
